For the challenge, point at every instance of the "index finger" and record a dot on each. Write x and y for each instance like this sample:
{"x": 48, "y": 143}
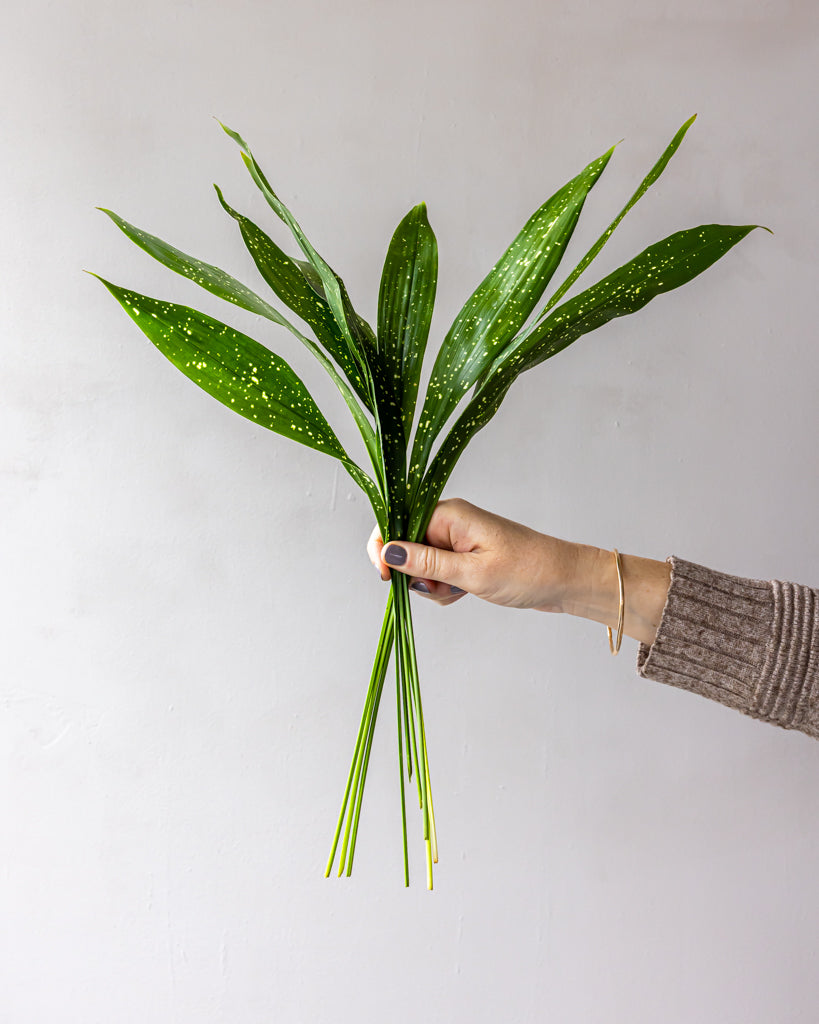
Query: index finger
{"x": 374, "y": 546}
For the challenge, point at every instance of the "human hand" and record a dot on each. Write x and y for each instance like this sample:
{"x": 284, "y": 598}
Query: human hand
{"x": 469, "y": 550}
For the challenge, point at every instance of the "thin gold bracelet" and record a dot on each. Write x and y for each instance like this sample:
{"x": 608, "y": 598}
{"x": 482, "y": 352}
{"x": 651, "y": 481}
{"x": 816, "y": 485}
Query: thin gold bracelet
{"x": 615, "y": 648}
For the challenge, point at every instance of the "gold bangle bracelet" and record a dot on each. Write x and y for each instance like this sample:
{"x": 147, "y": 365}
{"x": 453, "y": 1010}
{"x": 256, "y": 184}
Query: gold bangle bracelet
{"x": 615, "y": 648}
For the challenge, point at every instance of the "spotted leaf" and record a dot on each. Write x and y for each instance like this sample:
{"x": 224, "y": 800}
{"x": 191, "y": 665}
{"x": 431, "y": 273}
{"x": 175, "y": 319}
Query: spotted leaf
{"x": 299, "y": 287}
{"x": 219, "y": 283}
{"x": 242, "y": 374}
{"x": 640, "y": 191}
{"x": 405, "y": 302}
{"x": 500, "y": 306}
{"x": 660, "y": 268}
{"x": 351, "y": 325}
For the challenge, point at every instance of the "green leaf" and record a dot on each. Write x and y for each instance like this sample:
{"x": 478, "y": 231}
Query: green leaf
{"x": 405, "y": 303}
{"x": 479, "y": 411}
{"x": 347, "y": 320}
{"x": 207, "y": 276}
{"x": 660, "y": 268}
{"x": 393, "y": 447}
{"x": 359, "y": 327}
{"x": 242, "y": 374}
{"x": 295, "y": 284}
{"x": 500, "y": 306}
{"x": 642, "y": 188}
{"x": 224, "y": 286}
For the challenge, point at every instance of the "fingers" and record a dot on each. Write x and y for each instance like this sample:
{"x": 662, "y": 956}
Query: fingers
{"x": 436, "y": 571}
{"x": 483, "y": 554}
{"x": 453, "y": 525}
{"x": 374, "y": 546}
{"x": 429, "y": 565}
{"x": 440, "y": 593}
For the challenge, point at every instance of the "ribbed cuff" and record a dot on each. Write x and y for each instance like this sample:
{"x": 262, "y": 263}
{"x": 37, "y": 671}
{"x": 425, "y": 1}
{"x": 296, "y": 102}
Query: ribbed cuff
{"x": 749, "y": 644}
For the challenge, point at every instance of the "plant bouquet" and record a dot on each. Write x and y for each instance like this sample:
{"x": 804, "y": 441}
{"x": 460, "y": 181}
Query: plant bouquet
{"x": 497, "y": 335}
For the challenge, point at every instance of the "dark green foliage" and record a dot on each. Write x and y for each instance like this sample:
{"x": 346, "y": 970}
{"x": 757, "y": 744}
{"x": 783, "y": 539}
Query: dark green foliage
{"x": 496, "y": 336}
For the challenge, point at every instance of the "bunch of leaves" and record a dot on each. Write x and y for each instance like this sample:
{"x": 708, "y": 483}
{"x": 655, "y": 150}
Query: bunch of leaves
{"x": 499, "y": 333}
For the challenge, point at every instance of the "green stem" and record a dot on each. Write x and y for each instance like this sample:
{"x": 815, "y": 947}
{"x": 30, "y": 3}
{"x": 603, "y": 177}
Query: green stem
{"x": 399, "y": 666}
{"x": 362, "y": 751}
{"x": 365, "y": 765}
{"x": 385, "y": 639}
{"x": 397, "y": 630}
{"x": 398, "y": 694}
{"x": 400, "y": 583}
{"x": 429, "y": 814}
{"x": 405, "y": 637}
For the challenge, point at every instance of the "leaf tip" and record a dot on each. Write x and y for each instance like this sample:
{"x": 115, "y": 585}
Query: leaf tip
{"x": 686, "y": 125}
{"x": 237, "y": 138}
{"x": 102, "y": 280}
{"x": 224, "y": 203}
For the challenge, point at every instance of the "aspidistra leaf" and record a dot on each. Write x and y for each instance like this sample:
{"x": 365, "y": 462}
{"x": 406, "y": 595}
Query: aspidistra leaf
{"x": 219, "y": 283}
{"x": 641, "y": 190}
{"x": 358, "y": 326}
{"x": 213, "y": 280}
{"x": 238, "y": 371}
{"x": 405, "y": 302}
{"x": 289, "y": 280}
{"x": 207, "y": 276}
{"x": 500, "y": 306}
{"x": 660, "y": 268}
{"x": 333, "y": 287}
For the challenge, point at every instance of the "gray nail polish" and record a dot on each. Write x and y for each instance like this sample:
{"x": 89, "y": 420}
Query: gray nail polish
{"x": 421, "y": 587}
{"x": 395, "y": 555}
{"x": 456, "y": 590}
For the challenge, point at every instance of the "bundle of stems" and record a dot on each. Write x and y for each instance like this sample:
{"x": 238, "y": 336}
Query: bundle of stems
{"x": 498, "y": 334}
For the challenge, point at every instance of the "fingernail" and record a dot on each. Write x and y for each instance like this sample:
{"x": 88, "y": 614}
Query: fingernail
{"x": 395, "y": 555}
{"x": 456, "y": 590}
{"x": 421, "y": 587}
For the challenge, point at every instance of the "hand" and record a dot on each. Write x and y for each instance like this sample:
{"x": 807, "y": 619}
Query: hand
{"x": 469, "y": 550}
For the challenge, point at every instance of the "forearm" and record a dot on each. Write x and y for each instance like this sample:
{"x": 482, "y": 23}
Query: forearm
{"x": 749, "y": 644}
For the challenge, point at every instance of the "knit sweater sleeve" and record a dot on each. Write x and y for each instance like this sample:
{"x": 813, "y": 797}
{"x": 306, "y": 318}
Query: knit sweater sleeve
{"x": 750, "y": 644}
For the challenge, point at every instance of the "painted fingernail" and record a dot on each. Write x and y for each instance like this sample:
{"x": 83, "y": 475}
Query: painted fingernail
{"x": 420, "y": 586}
{"x": 395, "y": 555}
{"x": 456, "y": 590}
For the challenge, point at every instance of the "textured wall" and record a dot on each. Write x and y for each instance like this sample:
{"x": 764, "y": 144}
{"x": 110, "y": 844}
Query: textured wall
{"x": 187, "y": 609}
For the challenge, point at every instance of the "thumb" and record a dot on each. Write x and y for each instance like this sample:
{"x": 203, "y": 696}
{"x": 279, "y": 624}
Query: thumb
{"x": 427, "y": 562}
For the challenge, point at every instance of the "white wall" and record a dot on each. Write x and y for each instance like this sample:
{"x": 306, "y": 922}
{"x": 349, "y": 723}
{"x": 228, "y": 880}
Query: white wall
{"x": 187, "y": 610}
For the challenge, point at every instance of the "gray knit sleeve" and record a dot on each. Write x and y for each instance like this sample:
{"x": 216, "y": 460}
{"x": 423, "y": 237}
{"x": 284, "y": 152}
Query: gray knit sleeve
{"x": 750, "y": 644}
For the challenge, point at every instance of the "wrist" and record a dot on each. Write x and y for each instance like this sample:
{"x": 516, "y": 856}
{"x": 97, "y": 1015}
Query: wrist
{"x": 564, "y": 576}
{"x": 591, "y": 590}
{"x": 594, "y": 592}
